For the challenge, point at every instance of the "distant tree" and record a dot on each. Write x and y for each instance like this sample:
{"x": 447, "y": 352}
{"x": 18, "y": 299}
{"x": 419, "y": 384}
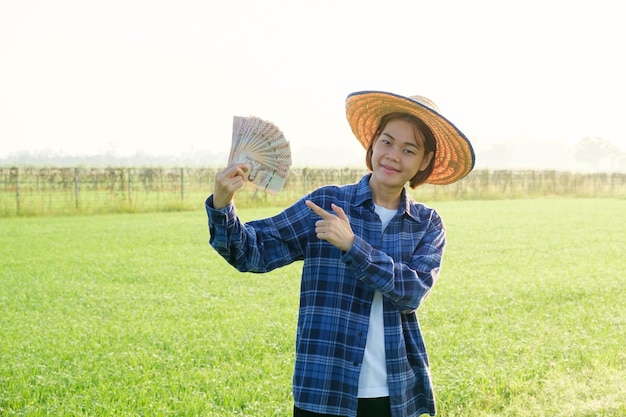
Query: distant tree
{"x": 595, "y": 151}
{"x": 620, "y": 162}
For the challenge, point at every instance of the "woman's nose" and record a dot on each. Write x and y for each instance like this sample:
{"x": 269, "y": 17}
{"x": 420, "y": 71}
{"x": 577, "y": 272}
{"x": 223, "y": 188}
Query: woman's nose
{"x": 393, "y": 154}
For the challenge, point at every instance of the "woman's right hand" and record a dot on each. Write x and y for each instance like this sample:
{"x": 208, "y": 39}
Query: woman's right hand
{"x": 227, "y": 182}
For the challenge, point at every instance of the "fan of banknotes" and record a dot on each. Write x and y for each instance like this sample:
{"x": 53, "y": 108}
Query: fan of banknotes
{"x": 262, "y": 145}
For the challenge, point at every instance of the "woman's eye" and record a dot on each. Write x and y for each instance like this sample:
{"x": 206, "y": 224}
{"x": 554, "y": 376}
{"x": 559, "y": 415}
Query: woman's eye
{"x": 409, "y": 151}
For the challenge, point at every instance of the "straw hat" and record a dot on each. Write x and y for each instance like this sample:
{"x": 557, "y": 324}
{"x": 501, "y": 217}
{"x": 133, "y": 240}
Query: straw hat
{"x": 454, "y": 158}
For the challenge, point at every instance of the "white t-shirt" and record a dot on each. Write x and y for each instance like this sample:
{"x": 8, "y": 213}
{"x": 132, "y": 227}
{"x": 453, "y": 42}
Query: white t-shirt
{"x": 373, "y": 377}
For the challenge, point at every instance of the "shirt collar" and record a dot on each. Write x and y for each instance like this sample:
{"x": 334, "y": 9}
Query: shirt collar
{"x": 364, "y": 194}
{"x": 363, "y": 191}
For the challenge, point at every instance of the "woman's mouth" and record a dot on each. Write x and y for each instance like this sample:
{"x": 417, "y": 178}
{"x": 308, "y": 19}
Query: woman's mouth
{"x": 388, "y": 168}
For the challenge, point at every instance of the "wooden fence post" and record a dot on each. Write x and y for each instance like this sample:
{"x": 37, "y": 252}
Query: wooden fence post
{"x": 76, "y": 188}
{"x": 129, "y": 180}
{"x": 304, "y": 180}
{"x": 17, "y": 190}
{"x": 182, "y": 184}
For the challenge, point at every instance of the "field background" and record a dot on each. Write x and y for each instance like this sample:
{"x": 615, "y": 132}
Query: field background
{"x": 36, "y": 191}
{"x": 135, "y": 315}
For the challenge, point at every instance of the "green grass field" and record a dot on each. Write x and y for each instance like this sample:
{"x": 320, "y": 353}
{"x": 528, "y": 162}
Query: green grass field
{"x": 136, "y": 315}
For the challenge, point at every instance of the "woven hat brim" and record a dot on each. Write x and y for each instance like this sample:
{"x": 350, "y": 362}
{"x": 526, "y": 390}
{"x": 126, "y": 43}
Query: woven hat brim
{"x": 454, "y": 158}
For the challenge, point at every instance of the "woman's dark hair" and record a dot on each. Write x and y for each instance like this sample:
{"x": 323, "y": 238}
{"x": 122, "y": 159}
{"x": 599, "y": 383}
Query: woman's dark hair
{"x": 430, "y": 144}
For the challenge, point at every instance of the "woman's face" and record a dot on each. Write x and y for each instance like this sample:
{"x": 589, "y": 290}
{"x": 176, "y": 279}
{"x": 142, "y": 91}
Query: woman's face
{"x": 398, "y": 154}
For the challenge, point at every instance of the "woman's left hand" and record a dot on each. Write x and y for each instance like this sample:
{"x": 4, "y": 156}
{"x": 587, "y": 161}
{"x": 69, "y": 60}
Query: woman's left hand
{"x": 335, "y": 229}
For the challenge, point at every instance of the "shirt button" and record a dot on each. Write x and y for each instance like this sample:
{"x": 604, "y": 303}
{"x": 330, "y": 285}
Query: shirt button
{"x": 356, "y": 364}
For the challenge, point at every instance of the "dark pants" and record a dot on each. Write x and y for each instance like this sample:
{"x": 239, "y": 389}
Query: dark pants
{"x": 368, "y": 407}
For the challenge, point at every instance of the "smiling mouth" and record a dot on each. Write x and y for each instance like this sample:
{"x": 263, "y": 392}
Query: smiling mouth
{"x": 388, "y": 168}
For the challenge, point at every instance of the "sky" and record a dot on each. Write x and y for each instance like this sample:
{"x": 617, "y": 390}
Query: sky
{"x": 83, "y": 77}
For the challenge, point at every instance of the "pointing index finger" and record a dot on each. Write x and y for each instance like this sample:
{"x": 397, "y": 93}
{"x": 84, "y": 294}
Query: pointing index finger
{"x": 317, "y": 209}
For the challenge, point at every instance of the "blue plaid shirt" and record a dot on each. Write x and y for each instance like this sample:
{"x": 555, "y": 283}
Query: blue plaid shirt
{"x": 338, "y": 287}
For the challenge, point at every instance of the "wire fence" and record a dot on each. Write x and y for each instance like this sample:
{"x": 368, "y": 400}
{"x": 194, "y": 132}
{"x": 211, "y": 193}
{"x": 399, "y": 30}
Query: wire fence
{"x": 58, "y": 190}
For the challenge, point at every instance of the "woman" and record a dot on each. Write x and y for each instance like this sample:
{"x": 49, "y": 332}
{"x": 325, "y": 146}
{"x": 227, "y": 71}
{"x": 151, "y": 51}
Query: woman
{"x": 371, "y": 255}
